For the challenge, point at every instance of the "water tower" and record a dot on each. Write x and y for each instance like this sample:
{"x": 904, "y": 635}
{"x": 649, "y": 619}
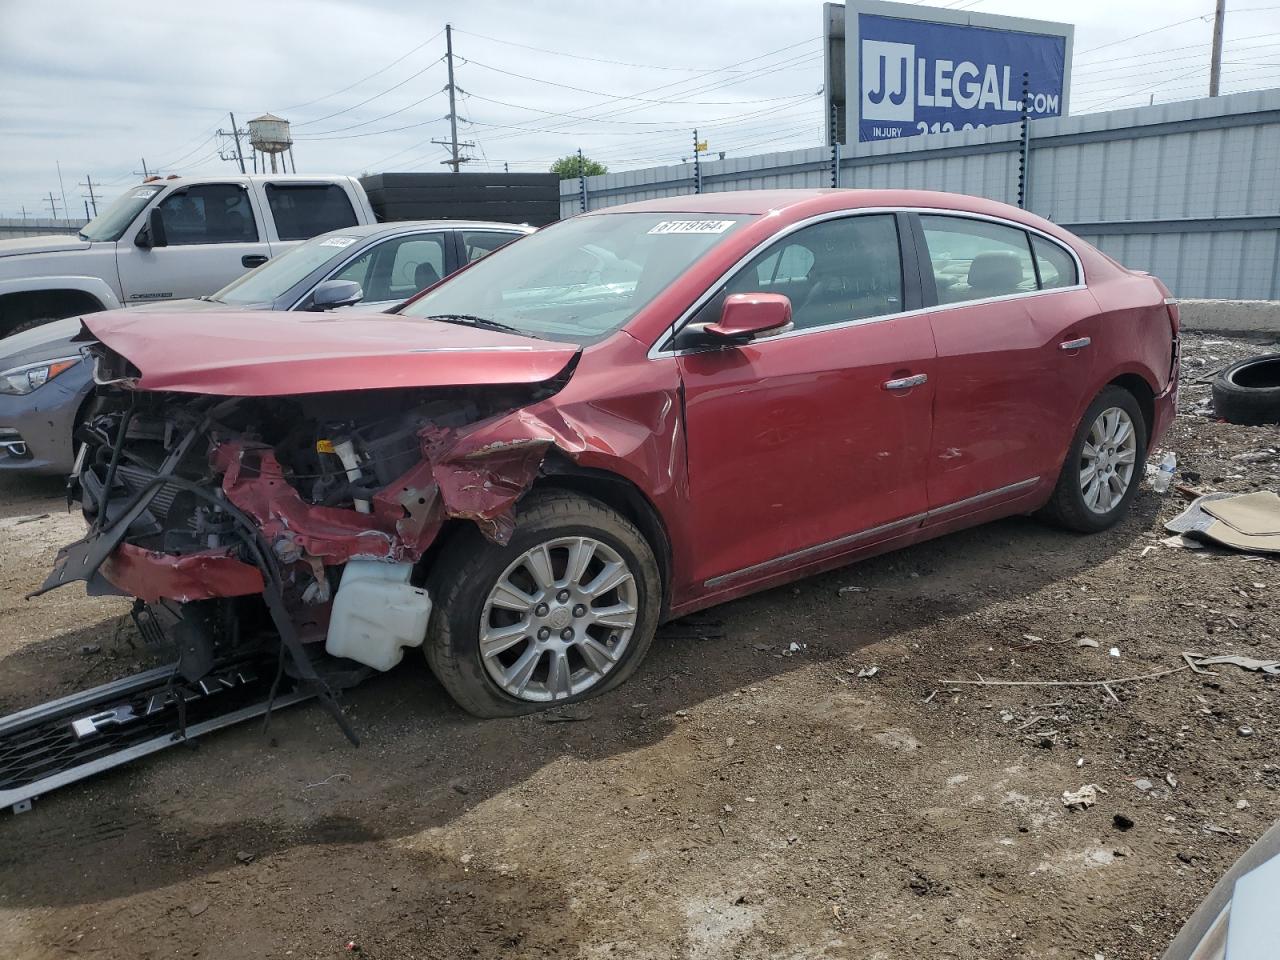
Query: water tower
{"x": 270, "y": 135}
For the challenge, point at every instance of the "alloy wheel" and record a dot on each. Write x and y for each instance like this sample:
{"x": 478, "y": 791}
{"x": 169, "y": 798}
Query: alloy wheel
{"x": 558, "y": 619}
{"x": 1107, "y": 460}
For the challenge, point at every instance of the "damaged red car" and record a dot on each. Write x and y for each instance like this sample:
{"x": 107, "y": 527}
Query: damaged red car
{"x": 623, "y": 418}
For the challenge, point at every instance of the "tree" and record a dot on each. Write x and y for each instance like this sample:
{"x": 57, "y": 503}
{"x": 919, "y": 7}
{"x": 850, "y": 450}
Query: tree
{"x": 568, "y": 167}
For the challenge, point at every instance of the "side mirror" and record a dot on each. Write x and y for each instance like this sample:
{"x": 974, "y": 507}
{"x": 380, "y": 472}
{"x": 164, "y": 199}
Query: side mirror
{"x": 152, "y": 235}
{"x": 746, "y": 316}
{"x": 336, "y": 293}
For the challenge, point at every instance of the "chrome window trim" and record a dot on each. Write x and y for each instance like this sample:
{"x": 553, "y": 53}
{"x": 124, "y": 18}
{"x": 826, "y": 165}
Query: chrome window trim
{"x": 917, "y": 519}
{"x": 656, "y": 353}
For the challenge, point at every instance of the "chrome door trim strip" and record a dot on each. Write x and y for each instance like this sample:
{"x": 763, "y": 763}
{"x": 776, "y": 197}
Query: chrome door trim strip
{"x": 982, "y": 497}
{"x": 655, "y": 353}
{"x": 819, "y": 548}
{"x": 832, "y": 545}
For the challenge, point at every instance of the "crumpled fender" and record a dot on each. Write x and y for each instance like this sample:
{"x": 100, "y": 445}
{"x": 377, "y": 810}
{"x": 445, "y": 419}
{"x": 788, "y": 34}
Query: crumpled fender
{"x": 477, "y": 473}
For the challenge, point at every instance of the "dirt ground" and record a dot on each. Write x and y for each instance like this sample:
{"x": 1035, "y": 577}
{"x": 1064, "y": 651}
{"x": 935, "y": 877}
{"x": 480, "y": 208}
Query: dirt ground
{"x": 738, "y": 799}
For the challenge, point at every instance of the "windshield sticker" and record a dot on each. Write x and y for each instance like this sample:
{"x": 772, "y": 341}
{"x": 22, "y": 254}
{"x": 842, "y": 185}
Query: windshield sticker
{"x": 143, "y": 195}
{"x": 338, "y": 242}
{"x": 693, "y": 226}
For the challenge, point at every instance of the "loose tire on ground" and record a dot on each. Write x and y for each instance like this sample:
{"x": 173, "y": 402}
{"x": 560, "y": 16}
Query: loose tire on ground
{"x": 1248, "y": 391}
{"x": 1067, "y": 507}
{"x": 470, "y": 567}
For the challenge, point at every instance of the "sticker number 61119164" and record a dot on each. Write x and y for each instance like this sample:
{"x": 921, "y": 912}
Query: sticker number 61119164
{"x": 692, "y": 226}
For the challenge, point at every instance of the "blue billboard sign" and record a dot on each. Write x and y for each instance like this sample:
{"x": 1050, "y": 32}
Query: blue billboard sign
{"x": 912, "y": 74}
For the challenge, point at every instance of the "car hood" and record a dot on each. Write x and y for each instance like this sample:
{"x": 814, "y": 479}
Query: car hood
{"x": 50, "y": 244}
{"x": 49, "y": 341}
{"x": 189, "y": 305}
{"x": 255, "y": 354}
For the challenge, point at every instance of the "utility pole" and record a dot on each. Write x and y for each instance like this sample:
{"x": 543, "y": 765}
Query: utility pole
{"x": 93, "y": 197}
{"x": 53, "y": 205}
{"x": 235, "y": 133}
{"x": 1215, "y": 61}
{"x": 456, "y": 159}
{"x": 144, "y": 168}
{"x": 62, "y": 189}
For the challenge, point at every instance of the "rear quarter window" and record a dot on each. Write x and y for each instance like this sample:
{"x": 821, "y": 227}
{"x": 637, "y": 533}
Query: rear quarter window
{"x": 302, "y": 211}
{"x": 1057, "y": 267}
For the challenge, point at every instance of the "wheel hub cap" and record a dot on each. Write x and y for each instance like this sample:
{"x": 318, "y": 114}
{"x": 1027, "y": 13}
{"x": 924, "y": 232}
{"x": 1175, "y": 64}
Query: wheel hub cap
{"x": 1107, "y": 460}
{"x": 558, "y": 619}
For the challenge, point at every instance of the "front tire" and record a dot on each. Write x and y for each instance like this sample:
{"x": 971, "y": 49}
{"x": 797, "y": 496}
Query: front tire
{"x": 564, "y": 612}
{"x": 1104, "y": 464}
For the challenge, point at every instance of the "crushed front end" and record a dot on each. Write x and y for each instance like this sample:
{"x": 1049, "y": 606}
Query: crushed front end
{"x": 289, "y": 531}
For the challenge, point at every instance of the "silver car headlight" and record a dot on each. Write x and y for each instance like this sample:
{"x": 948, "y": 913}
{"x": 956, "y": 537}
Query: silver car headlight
{"x": 22, "y": 380}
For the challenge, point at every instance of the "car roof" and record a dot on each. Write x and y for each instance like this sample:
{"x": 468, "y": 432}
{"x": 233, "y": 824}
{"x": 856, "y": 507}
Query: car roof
{"x": 795, "y": 205}
{"x": 367, "y": 230}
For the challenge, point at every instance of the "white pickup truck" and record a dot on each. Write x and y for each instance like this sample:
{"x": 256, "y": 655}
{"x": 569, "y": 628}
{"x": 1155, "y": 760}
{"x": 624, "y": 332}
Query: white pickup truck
{"x": 170, "y": 239}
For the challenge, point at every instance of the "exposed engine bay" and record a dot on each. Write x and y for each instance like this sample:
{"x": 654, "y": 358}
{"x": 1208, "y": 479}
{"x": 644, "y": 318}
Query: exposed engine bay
{"x": 286, "y": 525}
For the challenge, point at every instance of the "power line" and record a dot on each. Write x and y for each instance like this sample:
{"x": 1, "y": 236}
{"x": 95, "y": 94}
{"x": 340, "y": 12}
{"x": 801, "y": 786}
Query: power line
{"x": 376, "y": 96}
{"x": 376, "y": 73}
{"x": 576, "y": 56}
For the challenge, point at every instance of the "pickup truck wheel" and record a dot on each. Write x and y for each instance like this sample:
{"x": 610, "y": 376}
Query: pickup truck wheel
{"x": 565, "y": 611}
{"x": 1104, "y": 464}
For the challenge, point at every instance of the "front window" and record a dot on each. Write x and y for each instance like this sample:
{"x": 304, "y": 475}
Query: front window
{"x": 113, "y": 221}
{"x": 279, "y": 274}
{"x": 396, "y": 269}
{"x": 582, "y": 279}
{"x": 208, "y": 213}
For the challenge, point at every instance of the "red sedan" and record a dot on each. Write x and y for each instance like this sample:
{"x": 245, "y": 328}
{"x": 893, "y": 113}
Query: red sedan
{"x": 623, "y": 418}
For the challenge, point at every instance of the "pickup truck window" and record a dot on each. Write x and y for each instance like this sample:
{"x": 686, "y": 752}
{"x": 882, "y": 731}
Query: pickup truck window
{"x": 112, "y": 222}
{"x": 208, "y": 213}
{"x": 302, "y": 211}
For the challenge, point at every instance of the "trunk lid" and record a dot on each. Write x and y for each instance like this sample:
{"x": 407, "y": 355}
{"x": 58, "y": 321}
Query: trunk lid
{"x": 260, "y": 354}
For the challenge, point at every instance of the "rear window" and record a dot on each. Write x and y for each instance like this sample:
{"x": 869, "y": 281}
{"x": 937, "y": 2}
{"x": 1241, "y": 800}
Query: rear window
{"x": 302, "y": 211}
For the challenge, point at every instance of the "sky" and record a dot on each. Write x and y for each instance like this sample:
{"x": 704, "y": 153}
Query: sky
{"x": 97, "y": 87}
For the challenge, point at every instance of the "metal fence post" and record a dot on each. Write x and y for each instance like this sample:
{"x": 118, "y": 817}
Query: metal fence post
{"x": 1024, "y": 154}
{"x": 835, "y": 149}
{"x": 582, "y": 183}
{"x": 697, "y": 165}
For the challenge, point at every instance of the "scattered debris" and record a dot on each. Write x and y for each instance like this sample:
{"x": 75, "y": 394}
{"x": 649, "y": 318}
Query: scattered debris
{"x": 1144, "y": 785}
{"x": 1245, "y": 731}
{"x": 1105, "y": 684}
{"x": 1114, "y": 651}
{"x": 1242, "y": 804}
{"x": 245, "y": 857}
{"x": 198, "y": 907}
{"x": 328, "y": 780}
{"x": 1081, "y": 799}
{"x": 844, "y": 590}
{"x": 1248, "y": 522}
{"x": 1121, "y": 822}
{"x": 868, "y": 672}
{"x": 565, "y": 717}
{"x": 1247, "y": 663}
{"x": 89, "y": 649}
{"x": 1086, "y": 642}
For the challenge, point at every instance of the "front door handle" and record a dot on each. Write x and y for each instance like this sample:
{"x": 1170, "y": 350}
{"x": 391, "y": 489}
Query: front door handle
{"x": 1077, "y": 344}
{"x": 253, "y": 260}
{"x": 906, "y": 383}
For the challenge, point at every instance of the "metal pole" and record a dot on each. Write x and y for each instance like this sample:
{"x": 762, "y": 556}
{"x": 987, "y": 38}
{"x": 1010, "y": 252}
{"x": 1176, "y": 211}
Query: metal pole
{"x": 62, "y": 189}
{"x": 236, "y": 134}
{"x": 86, "y": 211}
{"x": 1215, "y": 61}
{"x": 1024, "y": 154}
{"x": 835, "y": 150}
{"x": 144, "y": 168}
{"x": 582, "y": 183}
{"x": 453, "y": 106}
{"x": 292, "y": 162}
{"x": 88, "y": 182}
{"x": 53, "y": 206}
{"x": 697, "y": 165}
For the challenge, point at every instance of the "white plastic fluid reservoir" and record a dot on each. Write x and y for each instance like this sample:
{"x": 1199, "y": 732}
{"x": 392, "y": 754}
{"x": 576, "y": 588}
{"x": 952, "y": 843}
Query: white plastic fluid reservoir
{"x": 377, "y": 613}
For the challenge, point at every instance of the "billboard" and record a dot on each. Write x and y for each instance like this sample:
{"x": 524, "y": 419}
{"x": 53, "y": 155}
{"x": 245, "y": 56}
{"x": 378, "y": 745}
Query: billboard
{"x": 913, "y": 70}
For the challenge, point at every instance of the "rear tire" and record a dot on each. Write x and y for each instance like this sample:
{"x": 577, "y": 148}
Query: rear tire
{"x": 1078, "y": 503}
{"x": 544, "y": 642}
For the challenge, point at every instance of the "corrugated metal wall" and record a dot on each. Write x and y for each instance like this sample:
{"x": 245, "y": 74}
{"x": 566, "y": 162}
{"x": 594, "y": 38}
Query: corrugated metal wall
{"x": 1189, "y": 191}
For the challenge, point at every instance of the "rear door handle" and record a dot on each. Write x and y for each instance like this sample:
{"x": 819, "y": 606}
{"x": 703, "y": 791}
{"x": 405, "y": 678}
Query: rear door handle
{"x": 906, "y": 383}
{"x": 253, "y": 260}
{"x": 1077, "y": 344}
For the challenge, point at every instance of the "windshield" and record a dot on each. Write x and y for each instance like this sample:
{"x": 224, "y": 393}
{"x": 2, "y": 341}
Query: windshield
{"x": 279, "y": 274}
{"x": 112, "y": 222}
{"x": 582, "y": 279}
